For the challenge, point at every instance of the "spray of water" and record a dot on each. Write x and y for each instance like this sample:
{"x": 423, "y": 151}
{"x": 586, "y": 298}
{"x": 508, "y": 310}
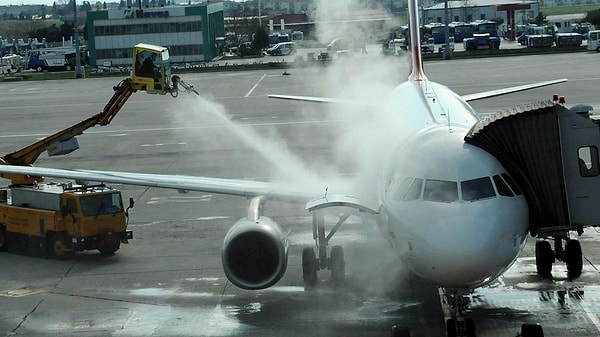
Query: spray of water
{"x": 364, "y": 135}
{"x": 286, "y": 167}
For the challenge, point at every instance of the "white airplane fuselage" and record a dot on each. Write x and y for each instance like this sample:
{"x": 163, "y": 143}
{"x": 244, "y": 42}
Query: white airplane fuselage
{"x": 450, "y": 210}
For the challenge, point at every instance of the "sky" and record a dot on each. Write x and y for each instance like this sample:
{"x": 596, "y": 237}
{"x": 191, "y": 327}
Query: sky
{"x": 45, "y": 2}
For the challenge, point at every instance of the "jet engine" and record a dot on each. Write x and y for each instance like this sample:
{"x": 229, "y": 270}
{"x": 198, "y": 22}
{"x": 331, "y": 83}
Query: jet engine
{"x": 255, "y": 251}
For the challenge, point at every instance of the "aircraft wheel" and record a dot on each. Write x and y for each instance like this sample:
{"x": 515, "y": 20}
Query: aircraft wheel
{"x": 532, "y": 330}
{"x": 58, "y": 247}
{"x": 400, "y": 331}
{"x": 309, "y": 268}
{"x": 470, "y": 328}
{"x": 544, "y": 257}
{"x": 451, "y": 327}
{"x": 338, "y": 266}
{"x": 574, "y": 258}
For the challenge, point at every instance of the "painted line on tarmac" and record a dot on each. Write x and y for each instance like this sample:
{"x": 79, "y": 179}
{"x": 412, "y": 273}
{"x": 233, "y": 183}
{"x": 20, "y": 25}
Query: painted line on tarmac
{"x": 590, "y": 314}
{"x": 255, "y": 85}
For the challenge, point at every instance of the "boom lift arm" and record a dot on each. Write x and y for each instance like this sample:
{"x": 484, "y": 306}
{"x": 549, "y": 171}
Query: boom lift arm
{"x": 157, "y": 81}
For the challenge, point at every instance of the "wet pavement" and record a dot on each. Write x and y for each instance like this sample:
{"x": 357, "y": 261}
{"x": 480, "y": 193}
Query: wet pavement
{"x": 168, "y": 281}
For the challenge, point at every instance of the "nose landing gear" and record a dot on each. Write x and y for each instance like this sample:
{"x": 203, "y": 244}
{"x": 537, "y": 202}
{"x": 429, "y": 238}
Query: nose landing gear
{"x": 312, "y": 263}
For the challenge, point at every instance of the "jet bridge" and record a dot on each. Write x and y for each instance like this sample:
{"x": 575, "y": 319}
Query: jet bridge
{"x": 552, "y": 153}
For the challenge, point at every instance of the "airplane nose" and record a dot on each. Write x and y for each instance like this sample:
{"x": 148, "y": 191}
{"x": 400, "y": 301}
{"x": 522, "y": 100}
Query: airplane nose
{"x": 469, "y": 256}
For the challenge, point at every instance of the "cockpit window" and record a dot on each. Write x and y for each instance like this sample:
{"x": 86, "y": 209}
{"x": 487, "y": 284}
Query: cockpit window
{"x": 476, "y": 189}
{"x": 403, "y": 188}
{"x": 513, "y": 185}
{"x": 414, "y": 192}
{"x": 501, "y": 186}
{"x": 440, "y": 190}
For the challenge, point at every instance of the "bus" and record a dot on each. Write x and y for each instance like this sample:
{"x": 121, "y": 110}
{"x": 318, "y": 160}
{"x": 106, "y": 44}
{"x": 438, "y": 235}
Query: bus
{"x": 460, "y": 30}
{"x": 593, "y": 37}
{"x": 485, "y": 27}
{"x": 435, "y": 31}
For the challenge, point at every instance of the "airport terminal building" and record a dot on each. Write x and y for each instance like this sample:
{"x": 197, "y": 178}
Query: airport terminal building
{"x": 190, "y": 32}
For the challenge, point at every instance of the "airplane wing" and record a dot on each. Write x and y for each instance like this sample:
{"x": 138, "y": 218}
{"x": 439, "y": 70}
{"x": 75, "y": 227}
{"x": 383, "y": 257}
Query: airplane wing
{"x": 183, "y": 183}
{"x": 313, "y": 99}
{"x": 498, "y": 92}
{"x": 468, "y": 97}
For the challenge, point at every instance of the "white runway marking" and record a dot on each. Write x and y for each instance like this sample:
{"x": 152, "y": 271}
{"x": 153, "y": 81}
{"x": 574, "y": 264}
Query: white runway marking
{"x": 256, "y": 85}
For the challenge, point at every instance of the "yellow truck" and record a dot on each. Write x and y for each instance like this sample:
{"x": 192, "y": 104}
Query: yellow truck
{"x": 57, "y": 219}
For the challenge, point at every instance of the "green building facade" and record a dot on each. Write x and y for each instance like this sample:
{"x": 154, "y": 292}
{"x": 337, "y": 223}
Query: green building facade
{"x": 190, "y": 32}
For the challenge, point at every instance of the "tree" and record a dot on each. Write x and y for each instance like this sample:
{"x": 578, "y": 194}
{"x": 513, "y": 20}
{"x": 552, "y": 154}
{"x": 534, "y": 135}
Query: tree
{"x": 261, "y": 39}
{"x": 539, "y": 20}
{"x": 593, "y": 17}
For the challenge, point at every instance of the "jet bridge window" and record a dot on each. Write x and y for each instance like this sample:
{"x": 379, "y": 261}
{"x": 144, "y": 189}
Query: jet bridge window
{"x": 440, "y": 190}
{"x": 588, "y": 161}
{"x": 476, "y": 189}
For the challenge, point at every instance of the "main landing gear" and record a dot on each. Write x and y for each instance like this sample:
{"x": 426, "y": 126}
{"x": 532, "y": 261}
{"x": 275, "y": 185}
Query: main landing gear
{"x": 571, "y": 254}
{"x": 312, "y": 263}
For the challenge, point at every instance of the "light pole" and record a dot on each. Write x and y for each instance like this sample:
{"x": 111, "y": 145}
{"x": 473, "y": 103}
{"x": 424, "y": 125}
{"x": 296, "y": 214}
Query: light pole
{"x": 78, "y": 73}
{"x": 259, "y": 19}
{"x": 447, "y": 50}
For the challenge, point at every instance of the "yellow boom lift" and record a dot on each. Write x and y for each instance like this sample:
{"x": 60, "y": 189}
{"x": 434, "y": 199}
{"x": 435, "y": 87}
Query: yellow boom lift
{"x": 57, "y": 219}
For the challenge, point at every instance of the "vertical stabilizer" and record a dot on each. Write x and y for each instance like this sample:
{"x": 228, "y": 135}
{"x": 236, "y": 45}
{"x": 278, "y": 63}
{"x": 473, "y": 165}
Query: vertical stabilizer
{"x": 416, "y": 64}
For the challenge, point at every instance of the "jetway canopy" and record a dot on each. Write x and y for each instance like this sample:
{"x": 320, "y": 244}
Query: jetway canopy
{"x": 552, "y": 153}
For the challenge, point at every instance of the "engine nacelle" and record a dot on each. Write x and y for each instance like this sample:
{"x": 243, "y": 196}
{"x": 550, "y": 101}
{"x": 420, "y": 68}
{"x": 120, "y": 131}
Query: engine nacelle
{"x": 255, "y": 253}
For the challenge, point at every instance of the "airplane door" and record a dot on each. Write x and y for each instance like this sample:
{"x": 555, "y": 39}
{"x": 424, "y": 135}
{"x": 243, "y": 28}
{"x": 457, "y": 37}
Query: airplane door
{"x": 580, "y": 142}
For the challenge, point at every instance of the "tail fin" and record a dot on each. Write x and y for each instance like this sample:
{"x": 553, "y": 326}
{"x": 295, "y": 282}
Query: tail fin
{"x": 416, "y": 65}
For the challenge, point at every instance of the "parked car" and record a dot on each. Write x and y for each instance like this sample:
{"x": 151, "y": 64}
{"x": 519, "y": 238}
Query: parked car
{"x": 247, "y": 49}
{"x": 282, "y": 48}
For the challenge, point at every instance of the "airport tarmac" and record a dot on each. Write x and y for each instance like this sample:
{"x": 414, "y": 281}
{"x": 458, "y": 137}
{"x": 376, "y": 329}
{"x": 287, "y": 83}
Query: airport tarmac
{"x": 168, "y": 281}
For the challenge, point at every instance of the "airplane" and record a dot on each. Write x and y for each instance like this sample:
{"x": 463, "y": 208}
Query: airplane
{"x": 440, "y": 202}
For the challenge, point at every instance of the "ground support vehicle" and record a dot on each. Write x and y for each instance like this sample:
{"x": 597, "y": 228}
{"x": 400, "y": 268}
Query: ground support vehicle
{"x": 283, "y": 48}
{"x": 568, "y": 39}
{"x": 443, "y": 46}
{"x": 429, "y": 46}
{"x": 482, "y": 41}
{"x": 394, "y": 47}
{"x": 540, "y": 41}
{"x": 592, "y": 40}
{"x": 49, "y": 59}
{"x": 11, "y": 63}
{"x": 58, "y": 219}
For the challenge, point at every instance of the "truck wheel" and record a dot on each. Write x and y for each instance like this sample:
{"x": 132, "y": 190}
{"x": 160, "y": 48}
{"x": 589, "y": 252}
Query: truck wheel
{"x": 68, "y": 67}
{"x": 3, "y": 247}
{"x": 598, "y": 50}
{"x": 108, "y": 248}
{"x": 58, "y": 247}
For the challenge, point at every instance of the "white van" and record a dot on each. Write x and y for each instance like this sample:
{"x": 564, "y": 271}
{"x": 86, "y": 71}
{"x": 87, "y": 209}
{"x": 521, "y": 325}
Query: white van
{"x": 592, "y": 40}
{"x": 282, "y": 48}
